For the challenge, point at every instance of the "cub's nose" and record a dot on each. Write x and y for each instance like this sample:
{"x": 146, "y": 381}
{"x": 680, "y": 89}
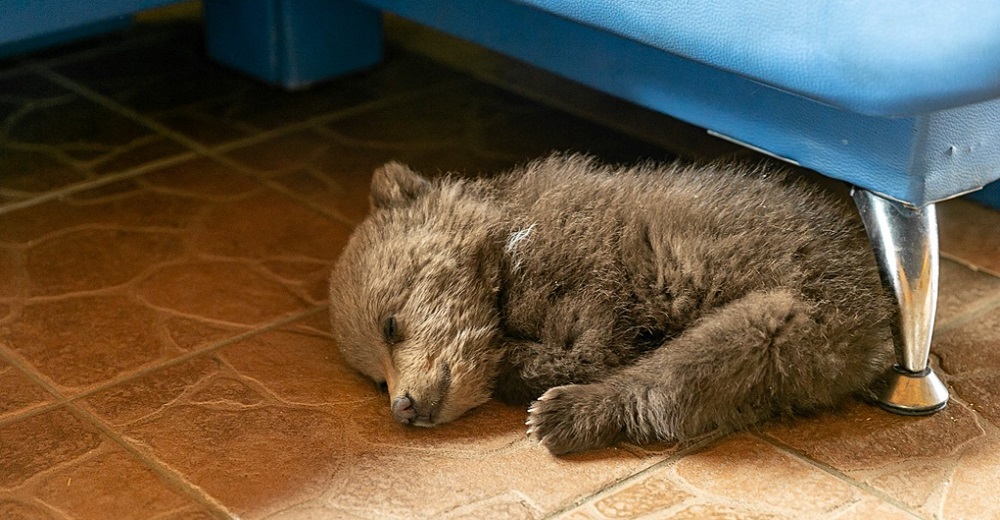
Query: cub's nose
{"x": 402, "y": 409}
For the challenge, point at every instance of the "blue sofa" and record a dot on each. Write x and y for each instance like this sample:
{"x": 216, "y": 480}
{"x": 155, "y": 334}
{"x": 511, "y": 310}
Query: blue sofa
{"x": 902, "y": 101}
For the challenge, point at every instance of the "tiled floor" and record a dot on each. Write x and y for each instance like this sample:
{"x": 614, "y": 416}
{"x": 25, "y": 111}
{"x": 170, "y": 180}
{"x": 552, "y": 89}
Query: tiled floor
{"x": 166, "y": 228}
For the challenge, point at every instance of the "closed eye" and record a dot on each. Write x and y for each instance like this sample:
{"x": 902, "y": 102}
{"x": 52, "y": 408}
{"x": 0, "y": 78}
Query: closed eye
{"x": 383, "y": 387}
{"x": 390, "y": 330}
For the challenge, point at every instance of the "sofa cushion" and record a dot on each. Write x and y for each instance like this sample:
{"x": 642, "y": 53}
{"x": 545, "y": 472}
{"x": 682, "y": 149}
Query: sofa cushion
{"x": 876, "y": 58}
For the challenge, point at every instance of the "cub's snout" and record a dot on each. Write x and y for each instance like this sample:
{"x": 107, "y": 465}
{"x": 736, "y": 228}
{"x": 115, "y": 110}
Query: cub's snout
{"x": 422, "y": 398}
{"x": 407, "y": 410}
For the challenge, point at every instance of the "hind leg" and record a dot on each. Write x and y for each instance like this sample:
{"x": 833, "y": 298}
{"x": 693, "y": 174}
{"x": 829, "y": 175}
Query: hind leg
{"x": 758, "y": 356}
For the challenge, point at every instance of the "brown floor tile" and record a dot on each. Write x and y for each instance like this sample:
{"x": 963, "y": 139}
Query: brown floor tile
{"x": 334, "y": 176}
{"x": 737, "y": 477}
{"x": 19, "y": 392}
{"x": 31, "y": 172}
{"x": 200, "y": 178}
{"x": 118, "y": 280}
{"x": 91, "y": 259}
{"x": 268, "y": 225}
{"x": 54, "y": 461}
{"x": 968, "y": 232}
{"x": 51, "y": 137}
{"x": 733, "y": 469}
{"x": 10, "y": 508}
{"x": 369, "y": 488}
{"x": 969, "y": 356}
{"x": 133, "y": 208}
{"x": 964, "y": 290}
{"x": 284, "y": 401}
{"x": 46, "y": 116}
{"x": 863, "y": 437}
{"x": 80, "y": 342}
{"x": 110, "y": 484}
{"x": 646, "y": 496}
{"x": 229, "y": 292}
{"x": 225, "y": 434}
{"x": 171, "y": 81}
{"x": 908, "y": 458}
{"x": 466, "y": 128}
{"x": 874, "y": 508}
{"x": 40, "y": 442}
{"x": 972, "y": 490}
{"x": 10, "y": 273}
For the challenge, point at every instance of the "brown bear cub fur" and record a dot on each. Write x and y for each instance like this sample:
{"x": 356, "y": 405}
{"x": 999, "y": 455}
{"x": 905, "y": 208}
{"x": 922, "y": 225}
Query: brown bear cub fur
{"x": 641, "y": 304}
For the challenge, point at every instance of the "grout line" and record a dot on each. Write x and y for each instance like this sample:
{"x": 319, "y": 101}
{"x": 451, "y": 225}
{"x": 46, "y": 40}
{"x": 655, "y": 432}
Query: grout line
{"x": 836, "y": 473}
{"x": 36, "y": 378}
{"x": 96, "y": 183}
{"x": 639, "y": 475}
{"x": 165, "y": 473}
{"x": 342, "y": 113}
{"x": 976, "y": 311}
{"x": 211, "y": 347}
{"x": 967, "y": 264}
{"x": 217, "y": 152}
{"x": 161, "y": 470}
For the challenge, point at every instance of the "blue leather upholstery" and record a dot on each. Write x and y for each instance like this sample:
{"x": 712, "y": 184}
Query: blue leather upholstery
{"x": 870, "y": 57}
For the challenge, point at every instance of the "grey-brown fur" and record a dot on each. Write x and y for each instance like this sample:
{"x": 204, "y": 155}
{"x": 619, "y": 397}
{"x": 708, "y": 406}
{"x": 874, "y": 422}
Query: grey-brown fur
{"x": 642, "y": 304}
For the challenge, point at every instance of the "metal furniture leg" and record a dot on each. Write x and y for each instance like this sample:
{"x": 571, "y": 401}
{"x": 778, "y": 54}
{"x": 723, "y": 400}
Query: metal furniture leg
{"x": 905, "y": 241}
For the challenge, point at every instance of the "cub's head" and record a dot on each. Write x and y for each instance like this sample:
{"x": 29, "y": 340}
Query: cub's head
{"x": 413, "y": 297}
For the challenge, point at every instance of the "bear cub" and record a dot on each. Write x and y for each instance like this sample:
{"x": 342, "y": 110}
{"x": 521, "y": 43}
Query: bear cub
{"x": 647, "y": 303}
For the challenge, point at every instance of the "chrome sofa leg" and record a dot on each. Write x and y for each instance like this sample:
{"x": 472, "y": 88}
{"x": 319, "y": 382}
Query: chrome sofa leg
{"x": 905, "y": 241}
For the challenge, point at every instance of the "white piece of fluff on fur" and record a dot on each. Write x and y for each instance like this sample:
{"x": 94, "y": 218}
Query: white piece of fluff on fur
{"x": 513, "y": 241}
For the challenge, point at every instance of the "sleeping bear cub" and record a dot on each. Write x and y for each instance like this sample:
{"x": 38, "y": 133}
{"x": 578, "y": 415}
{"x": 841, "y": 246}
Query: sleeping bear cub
{"x": 640, "y": 304}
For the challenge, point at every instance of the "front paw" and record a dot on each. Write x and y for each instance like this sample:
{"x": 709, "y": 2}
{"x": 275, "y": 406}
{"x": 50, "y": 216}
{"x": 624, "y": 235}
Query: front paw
{"x": 573, "y": 418}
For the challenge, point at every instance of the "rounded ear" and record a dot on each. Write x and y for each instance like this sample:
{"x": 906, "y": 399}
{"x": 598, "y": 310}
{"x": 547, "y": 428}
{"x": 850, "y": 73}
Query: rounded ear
{"x": 395, "y": 184}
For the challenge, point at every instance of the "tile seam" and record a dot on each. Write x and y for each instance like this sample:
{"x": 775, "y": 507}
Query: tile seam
{"x": 209, "y": 348}
{"x": 103, "y": 180}
{"x": 196, "y": 146}
{"x": 14, "y": 359}
{"x": 217, "y": 152}
{"x": 170, "y": 476}
{"x": 174, "y": 479}
{"x": 669, "y": 460}
{"x": 329, "y": 117}
{"x": 61, "y": 400}
{"x": 982, "y": 307}
{"x": 839, "y": 475}
{"x": 968, "y": 264}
